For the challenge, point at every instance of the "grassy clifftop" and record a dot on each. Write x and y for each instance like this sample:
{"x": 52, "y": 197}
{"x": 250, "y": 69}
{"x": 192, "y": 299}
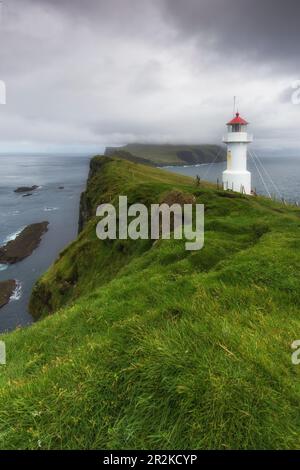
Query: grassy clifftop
{"x": 167, "y": 154}
{"x": 152, "y": 346}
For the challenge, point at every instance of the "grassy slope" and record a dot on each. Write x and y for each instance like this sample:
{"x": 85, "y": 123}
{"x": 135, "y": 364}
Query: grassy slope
{"x": 165, "y": 154}
{"x": 157, "y": 347}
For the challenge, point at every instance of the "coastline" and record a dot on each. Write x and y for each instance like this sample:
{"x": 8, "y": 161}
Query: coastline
{"x": 83, "y": 209}
{"x": 17, "y": 248}
{"x": 131, "y": 312}
{"x": 60, "y": 179}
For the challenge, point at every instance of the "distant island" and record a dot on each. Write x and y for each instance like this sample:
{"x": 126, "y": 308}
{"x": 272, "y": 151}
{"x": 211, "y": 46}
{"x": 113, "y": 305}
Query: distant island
{"x": 167, "y": 154}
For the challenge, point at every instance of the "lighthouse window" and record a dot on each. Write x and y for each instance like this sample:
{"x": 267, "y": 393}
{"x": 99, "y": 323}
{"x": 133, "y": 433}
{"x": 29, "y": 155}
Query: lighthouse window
{"x": 236, "y": 128}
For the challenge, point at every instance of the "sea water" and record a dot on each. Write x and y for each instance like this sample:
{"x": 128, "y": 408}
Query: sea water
{"x": 60, "y": 207}
{"x": 277, "y": 176}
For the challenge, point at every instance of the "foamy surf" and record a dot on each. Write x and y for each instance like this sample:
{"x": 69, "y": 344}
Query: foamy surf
{"x": 12, "y": 236}
{"x": 50, "y": 209}
{"x": 3, "y": 267}
{"x": 17, "y": 293}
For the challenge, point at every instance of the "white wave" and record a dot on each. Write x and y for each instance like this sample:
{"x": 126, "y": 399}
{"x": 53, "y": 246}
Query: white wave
{"x": 12, "y": 236}
{"x": 200, "y": 164}
{"x": 35, "y": 192}
{"x": 3, "y": 267}
{"x": 50, "y": 209}
{"x": 17, "y": 293}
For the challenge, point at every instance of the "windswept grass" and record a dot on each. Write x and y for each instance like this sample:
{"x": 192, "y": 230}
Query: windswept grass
{"x": 151, "y": 346}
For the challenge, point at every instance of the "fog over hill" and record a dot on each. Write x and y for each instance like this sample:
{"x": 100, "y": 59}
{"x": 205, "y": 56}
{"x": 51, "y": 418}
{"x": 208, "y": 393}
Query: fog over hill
{"x": 163, "y": 155}
{"x": 83, "y": 75}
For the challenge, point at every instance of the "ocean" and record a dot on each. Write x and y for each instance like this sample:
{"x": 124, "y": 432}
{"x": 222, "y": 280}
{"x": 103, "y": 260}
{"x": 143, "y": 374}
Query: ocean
{"x": 58, "y": 206}
{"x": 276, "y": 176}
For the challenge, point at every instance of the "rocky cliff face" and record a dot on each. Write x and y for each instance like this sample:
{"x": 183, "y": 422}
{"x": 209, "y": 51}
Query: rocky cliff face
{"x": 83, "y": 212}
{"x": 86, "y": 206}
{"x": 151, "y": 345}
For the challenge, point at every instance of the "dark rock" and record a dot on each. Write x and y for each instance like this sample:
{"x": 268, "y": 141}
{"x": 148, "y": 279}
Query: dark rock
{"x": 25, "y": 189}
{"x": 165, "y": 154}
{"x": 6, "y": 290}
{"x": 61, "y": 187}
{"x": 85, "y": 209}
{"x": 26, "y": 195}
{"x": 84, "y": 212}
{"x": 24, "y": 244}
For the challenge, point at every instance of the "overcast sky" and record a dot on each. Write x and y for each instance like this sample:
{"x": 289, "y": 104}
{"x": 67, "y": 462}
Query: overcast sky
{"x": 82, "y": 74}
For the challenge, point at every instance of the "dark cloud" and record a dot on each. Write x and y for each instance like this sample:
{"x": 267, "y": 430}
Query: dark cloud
{"x": 91, "y": 72}
{"x": 119, "y": 16}
{"x": 267, "y": 30}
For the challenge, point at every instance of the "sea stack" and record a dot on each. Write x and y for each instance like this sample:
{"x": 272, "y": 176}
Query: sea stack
{"x": 236, "y": 177}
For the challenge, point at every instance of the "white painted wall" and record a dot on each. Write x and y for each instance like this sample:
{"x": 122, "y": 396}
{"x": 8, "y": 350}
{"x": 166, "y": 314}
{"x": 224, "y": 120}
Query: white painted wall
{"x": 237, "y": 181}
{"x": 236, "y": 177}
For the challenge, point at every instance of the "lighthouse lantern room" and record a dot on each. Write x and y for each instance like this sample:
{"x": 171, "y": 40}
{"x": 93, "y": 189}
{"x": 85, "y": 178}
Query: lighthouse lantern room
{"x": 236, "y": 177}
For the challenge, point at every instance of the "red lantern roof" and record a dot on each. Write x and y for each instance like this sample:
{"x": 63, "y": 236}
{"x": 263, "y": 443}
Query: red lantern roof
{"x": 237, "y": 120}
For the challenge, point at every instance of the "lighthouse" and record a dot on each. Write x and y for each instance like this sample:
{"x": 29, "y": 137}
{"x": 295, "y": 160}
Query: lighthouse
{"x": 236, "y": 177}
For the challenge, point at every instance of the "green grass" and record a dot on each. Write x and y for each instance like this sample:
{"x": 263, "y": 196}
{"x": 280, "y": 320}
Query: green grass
{"x": 167, "y": 154}
{"x": 151, "y": 346}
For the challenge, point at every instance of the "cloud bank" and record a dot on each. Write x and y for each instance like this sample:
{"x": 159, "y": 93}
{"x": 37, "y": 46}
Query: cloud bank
{"x": 82, "y": 75}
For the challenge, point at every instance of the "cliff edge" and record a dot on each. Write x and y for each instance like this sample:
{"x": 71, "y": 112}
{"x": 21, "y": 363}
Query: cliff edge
{"x": 145, "y": 345}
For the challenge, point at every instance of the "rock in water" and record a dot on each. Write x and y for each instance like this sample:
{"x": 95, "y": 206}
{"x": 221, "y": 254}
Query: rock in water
{"x": 24, "y": 244}
{"x": 25, "y": 189}
{"x": 6, "y": 290}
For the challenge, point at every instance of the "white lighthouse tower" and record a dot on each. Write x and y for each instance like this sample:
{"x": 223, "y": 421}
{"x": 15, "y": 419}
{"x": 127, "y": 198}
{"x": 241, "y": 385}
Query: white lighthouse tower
{"x": 236, "y": 177}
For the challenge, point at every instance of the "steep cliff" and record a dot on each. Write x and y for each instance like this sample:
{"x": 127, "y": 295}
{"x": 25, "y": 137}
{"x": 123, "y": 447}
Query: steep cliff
{"x": 152, "y": 346}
